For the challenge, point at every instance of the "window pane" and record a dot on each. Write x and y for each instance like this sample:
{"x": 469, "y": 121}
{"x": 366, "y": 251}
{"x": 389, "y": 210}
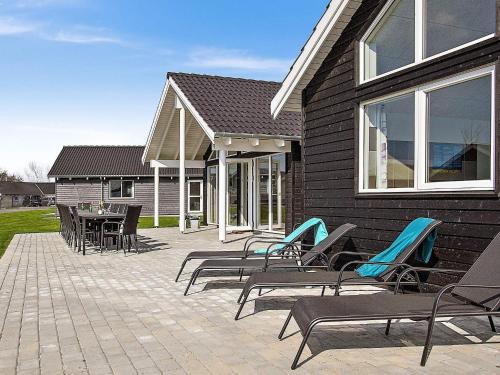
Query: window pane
{"x": 459, "y": 132}
{"x": 194, "y": 204}
{"x": 451, "y": 23}
{"x": 389, "y": 147}
{"x": 194, "y": 188}
{"x": 115, "y": 187}
{"x": 127, "y": 189}
{"x": 392, "y": 44}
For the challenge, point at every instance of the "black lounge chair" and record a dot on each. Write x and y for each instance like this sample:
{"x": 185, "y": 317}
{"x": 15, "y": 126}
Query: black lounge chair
{"x": 246, "y": 252}
{"x": 288, "y": 257}
{"x": 334, "y": 279}
{"x": 476, "y": 294}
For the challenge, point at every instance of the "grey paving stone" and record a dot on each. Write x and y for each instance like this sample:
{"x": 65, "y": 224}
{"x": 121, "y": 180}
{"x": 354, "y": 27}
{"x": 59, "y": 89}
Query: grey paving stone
{"x": 115, "y": 314}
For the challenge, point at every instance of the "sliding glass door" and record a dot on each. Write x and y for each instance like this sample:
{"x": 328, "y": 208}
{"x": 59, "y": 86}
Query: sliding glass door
{"x": 270, "y": 189}
{"x": 238, "y": 189}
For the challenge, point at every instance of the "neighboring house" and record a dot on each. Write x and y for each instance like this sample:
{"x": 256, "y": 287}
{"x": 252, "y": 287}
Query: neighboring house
{"x": 224, "y": 125}
{"x": 399, "y": 106}
{"x": 110, "y": 174}
{"x": 19, "y": 194}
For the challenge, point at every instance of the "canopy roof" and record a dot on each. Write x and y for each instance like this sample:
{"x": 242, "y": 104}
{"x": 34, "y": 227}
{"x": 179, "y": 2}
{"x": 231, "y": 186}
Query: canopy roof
{"x": 216, "y": 107}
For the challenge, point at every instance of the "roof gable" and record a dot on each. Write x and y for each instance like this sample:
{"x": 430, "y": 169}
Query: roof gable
{"x": 326, "y": 33}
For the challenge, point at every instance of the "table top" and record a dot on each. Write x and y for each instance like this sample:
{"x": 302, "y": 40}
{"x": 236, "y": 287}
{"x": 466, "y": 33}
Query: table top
{"x": 104, "y": 215}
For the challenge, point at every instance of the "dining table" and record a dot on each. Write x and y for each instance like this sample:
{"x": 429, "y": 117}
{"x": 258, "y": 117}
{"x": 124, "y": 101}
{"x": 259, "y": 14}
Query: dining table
{"x": 94, "y": 216}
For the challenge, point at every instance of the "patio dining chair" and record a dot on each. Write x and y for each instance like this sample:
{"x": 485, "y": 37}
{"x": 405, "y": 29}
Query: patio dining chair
{"x": 290, "y": 257}
{"x": 476, "y": 294}
{"x": 298, "y": 232}
{"x": 335, "y": 279}
{"x": 123, "y": 231}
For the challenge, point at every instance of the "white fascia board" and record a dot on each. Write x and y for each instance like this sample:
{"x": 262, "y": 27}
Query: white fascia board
{"x": 177, "y": 163}
{"x": 189, "y": 106}
{"x": 311, "y": 48}
{"x": 155, "y": 121}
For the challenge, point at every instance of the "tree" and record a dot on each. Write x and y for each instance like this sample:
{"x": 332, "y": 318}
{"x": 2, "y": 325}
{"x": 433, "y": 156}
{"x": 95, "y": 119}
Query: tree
{"x": 35, "y": 172}
{"x": 7, "y": 177}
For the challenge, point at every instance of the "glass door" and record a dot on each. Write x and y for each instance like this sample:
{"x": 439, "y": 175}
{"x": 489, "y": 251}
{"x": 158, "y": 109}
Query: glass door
{"x": 238, "y": 180}
{"x": 212, "y": 199}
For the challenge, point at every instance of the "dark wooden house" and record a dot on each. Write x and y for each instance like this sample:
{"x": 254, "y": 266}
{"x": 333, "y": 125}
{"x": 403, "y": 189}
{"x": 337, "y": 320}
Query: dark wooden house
{"x": 115, "y": 174}
{"x": 400, "y": 119}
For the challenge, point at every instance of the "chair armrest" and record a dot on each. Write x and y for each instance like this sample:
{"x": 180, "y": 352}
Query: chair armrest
{"x": 444, "y": 289}
{"x": 250, "y": 239}
{"x": 339, "y": 281}
{"x": 335, "y": 256}
{"x": 416, "y": 270}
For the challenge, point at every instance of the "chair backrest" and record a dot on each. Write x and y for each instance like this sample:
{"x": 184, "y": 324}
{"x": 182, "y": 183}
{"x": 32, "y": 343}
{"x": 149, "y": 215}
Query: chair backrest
{"x": 484, "y": 271}
{"x": 410, "y": 250}
{"x": 315, "y": 252}
{"x": 122, "y": 208}
{"x": 131, "y": 219}
{"x": 84, "y": 206}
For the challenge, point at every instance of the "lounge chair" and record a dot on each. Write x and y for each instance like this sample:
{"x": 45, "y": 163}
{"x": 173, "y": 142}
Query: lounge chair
{"x": 314, "y": 223}
{"x": 288, "y": 257}
{"x": 334, "y": 279}
{"x": 476, "y": 294}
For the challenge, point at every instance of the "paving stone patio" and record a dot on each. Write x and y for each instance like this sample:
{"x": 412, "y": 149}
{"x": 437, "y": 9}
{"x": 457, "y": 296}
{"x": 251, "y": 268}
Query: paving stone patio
{"x": 61, "y": 312}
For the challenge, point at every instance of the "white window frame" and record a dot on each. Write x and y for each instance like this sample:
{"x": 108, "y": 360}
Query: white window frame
{"x": 420, "y": 158}
{"x": 121, "y": 189}
{"x": 195, "y": 196}
{"x": 419, "y": 41}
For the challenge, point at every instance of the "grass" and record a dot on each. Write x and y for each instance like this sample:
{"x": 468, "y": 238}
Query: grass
{"x": 31, "y": 221}
{"x": 42, "y": 221}
{"x": 146, "y": 222}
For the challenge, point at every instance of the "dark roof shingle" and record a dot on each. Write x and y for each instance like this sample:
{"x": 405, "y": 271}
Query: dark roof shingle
{"x": 237, "y": 105}
{"x": 19, "y": 188}
{"x": 97, "y": 161}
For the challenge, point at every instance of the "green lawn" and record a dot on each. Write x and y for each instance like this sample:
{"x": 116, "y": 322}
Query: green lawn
{"x": 33, "y": 221}
{"x": 41, "y": 221}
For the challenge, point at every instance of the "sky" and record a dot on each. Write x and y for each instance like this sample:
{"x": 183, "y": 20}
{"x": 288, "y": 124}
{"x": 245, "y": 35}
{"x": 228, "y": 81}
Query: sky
{"x": 91, "y": 72}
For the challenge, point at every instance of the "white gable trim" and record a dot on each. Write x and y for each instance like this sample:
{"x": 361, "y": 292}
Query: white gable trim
{"x": 336, "y": 16}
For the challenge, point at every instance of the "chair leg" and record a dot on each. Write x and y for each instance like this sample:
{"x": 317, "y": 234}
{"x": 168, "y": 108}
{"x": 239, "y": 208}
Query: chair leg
{"x": 323, "y": 291}
{"x": 492, "y": 323}
{"x": 287, "y": 321}
{"x": 129, "y": 244}
{"x": 301, "y": 348}
{"x": 241, "y": 273}
{"x": 388, "y": 327}
{"x": 182, "y": 268}
{"x": 237, "y": 316}
{"x": 428, "y": 340}
{"x": 194, "y": 276}
{"x": 136, "y": 244}
{"x": 241, "y": 296}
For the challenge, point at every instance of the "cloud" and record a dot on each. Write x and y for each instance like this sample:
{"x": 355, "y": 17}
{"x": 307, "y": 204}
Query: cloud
{"x": 44, "y": 3}
{"x": 10, "y": 26}
{"x": 235, "y": 59}
{"x": 84, "y": 35}
{"x": 13, "y": 26}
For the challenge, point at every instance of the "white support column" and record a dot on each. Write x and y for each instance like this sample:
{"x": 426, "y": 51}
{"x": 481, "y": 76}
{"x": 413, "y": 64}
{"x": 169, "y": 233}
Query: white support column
{"x": 182, "y": 168}
{"x": 157, "y": 198}
{"x": 222, "y": 195}
{"x": 270, "y": 194}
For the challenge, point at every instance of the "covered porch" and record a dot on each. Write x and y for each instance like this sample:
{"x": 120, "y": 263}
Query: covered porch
{"x": 245, "y": 172}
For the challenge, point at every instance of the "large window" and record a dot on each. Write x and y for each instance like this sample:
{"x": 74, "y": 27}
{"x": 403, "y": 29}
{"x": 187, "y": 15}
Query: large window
{"x": 121, "y": 189}
{"x": 438, "y": 136}
{"x": 411, "y": 31}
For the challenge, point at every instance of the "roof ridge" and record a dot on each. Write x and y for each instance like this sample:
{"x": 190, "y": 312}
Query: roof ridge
{"x": 223, "y": 77}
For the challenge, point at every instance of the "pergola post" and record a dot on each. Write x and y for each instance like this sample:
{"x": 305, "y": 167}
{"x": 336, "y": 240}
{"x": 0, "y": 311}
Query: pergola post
{"x": 157, "y": 198}
{"x": 182, "y": 166}
{"x": 222, "y": 195}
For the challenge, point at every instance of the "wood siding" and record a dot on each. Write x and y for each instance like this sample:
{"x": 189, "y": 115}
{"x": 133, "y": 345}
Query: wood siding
{"x": 329, "y": 156}
{"x": 81, "y": 190}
